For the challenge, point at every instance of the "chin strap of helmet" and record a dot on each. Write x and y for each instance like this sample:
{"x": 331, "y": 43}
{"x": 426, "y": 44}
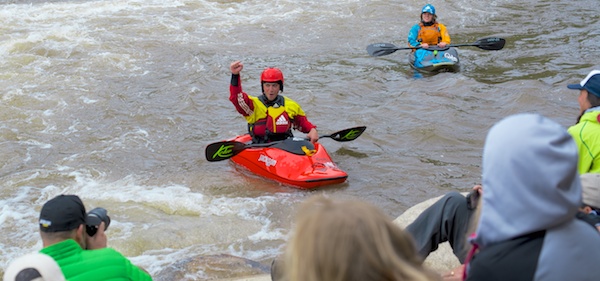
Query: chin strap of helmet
{"x": 427, "y": 23}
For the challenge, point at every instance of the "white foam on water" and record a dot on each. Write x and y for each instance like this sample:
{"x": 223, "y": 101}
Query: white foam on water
{"x": 19, "y": 213}
{"x": 57, "y": 57}
{"x": 19, "y": 223}
{"x": 158, "y": 260}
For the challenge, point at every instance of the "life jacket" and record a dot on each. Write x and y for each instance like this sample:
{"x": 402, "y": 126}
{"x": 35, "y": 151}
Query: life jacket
{"x": 429, "y": 34}
{"x": 276, "y": 125}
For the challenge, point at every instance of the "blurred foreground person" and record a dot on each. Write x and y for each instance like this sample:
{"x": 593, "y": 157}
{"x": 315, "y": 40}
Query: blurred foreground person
{"x": 349, "y": 240}
{"x": 527, "y": 229}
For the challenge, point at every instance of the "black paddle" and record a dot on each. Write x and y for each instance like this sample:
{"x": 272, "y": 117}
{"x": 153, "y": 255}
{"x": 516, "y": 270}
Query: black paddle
{"x": 490, "y": 43}
{"x": 226, "y": 149}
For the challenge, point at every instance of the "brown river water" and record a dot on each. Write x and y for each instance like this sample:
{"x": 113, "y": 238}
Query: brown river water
{"x": 115, "y": 101}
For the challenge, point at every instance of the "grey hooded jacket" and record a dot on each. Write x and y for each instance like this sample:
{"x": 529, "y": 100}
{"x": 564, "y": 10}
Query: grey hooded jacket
{"x": 527, "y": 229}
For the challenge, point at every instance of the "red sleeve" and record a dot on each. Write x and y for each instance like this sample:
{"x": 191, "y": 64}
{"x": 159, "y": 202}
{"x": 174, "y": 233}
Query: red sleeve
{"x": 302, "y": 124}
{"x": 243, "y": 104}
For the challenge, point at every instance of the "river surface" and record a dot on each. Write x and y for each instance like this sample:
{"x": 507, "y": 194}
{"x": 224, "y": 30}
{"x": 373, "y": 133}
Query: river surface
{"x": 115, "y": 101}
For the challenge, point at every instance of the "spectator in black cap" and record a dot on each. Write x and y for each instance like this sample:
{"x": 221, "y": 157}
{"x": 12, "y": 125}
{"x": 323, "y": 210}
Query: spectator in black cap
{"x": 81, "y": 257}
{"x": 587, "y": 130}
{"x": 61, "y": 215}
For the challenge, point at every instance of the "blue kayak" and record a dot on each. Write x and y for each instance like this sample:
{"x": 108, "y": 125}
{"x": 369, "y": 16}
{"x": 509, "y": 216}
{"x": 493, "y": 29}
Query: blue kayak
{"x": 434, "y": 60}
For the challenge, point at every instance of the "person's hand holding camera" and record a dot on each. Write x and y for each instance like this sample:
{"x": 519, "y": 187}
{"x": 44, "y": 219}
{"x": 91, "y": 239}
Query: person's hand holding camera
{"x": 97, "y": 222}
{"x": 98, "y": 241}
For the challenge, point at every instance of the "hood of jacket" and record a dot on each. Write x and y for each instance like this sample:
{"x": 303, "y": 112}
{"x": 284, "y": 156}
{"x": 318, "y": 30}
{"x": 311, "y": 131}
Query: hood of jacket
{"x": 529, "y": 177}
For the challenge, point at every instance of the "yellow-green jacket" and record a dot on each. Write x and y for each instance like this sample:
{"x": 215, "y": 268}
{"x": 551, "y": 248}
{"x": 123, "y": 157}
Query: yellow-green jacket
{"x": 587, "y": 136}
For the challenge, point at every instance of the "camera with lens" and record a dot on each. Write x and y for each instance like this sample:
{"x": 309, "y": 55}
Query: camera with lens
{"x": 94, "y": 218}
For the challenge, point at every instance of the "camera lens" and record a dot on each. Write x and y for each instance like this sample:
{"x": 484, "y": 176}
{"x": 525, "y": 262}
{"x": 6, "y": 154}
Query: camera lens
{"x": 94, "y": 218}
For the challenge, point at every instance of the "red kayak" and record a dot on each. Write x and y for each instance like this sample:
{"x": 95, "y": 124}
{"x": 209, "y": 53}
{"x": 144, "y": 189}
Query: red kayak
{"x": 295, "y": 161}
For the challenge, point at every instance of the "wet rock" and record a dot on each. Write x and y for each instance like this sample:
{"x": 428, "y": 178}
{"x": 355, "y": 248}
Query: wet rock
{"x": 212, "y": 267}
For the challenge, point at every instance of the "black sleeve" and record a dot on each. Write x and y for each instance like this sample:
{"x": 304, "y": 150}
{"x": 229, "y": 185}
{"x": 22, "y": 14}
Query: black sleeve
{"x": 592, "y": 219}
{"x": 480, "y": 271}
{"x": 235, "y": 78}
{"x": 514, "y": 260}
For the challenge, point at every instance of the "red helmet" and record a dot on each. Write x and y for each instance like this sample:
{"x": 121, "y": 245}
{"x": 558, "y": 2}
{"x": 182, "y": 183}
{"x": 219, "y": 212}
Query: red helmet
{"x": 272, "y": 75}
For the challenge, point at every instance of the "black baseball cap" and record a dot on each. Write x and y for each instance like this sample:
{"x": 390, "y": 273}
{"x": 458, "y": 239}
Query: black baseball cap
{"x": 62, "y": 213}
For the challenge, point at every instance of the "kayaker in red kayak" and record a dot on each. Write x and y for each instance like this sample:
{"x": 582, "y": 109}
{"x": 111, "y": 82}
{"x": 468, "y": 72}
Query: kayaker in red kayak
{"x": 270, "y": 117}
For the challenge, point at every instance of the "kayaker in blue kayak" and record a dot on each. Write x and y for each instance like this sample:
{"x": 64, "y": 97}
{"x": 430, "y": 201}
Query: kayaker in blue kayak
{"x": 270, "y": 117}
{"x": 428, "y": 32}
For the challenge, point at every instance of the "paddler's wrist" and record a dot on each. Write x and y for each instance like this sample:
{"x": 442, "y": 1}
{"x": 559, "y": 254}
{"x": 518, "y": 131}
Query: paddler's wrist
{"x": 235, "y": 78}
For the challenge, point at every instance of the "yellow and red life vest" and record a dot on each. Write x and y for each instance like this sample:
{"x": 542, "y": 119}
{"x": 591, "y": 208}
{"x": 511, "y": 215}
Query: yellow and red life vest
{"x": 274, "y": 122}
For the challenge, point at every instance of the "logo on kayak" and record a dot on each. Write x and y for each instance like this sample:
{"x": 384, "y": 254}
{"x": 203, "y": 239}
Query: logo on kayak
{"x": 323, "y": 166}
{"x": 267, "y": 160}
{"x": 225, "y": 151}
{"x": 450, "y": 57}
